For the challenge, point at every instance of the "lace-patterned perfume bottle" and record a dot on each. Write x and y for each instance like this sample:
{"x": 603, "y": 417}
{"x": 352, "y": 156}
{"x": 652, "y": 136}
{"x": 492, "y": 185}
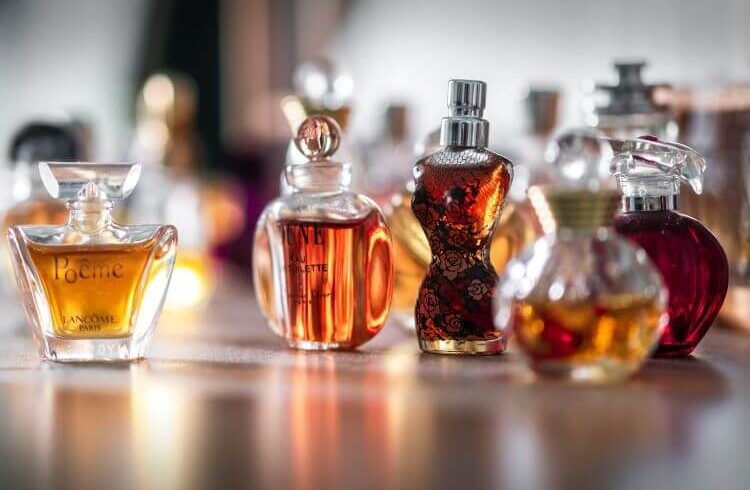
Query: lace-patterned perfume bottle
{"x": 323, "y": 257}
{"x": 689, "y": 256}
{"x": 585, "y": 304}
{"x": 92, "y": 289}
{"x": 458, "y": 195}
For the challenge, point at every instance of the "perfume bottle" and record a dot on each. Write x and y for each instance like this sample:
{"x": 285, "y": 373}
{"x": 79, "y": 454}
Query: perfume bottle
{"x": 630, "y": 110}
{"x": 585, "y": 304}
{"x": 92, "y": 289}
{"x": 323, "y": 263}
{"x": 458, "y": 195}
{"x": 170, "y": 151}
{"x": 689, "y": 256}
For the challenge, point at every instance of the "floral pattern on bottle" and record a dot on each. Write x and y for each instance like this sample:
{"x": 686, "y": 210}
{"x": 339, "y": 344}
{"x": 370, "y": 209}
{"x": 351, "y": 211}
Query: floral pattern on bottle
{"x": 458, "y": 197}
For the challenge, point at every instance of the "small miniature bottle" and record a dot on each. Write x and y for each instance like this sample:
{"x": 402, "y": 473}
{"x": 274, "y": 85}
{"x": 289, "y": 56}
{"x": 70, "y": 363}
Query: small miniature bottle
{"x": 585, "y": 304}
{"x": 690, "y": 258}
{"x": 458, "y": 196}
{"x": 92, "y": 289}
{"x": 630, "y": 110}
{"x": 323, "y": 258}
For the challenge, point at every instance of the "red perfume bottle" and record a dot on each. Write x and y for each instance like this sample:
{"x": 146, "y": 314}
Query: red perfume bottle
{"x": 689, "y": 257}
{"x": 458, "y": 196}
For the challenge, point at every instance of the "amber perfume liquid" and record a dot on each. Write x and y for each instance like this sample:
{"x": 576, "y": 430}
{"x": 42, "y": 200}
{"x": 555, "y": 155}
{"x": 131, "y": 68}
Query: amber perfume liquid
{"x": 92, "y": 291}
{"x": 337, "y": 278}
{"x": 614, "y": 334}
{"x": 459, "y": 193}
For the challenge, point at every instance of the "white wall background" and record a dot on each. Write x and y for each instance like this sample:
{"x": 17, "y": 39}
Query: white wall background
{"x": 59, "y": 56}
{"x": 408, "y": 49}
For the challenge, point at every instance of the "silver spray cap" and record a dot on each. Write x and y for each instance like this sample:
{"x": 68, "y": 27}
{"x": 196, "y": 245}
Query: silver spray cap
{"x": 465, "y": 126}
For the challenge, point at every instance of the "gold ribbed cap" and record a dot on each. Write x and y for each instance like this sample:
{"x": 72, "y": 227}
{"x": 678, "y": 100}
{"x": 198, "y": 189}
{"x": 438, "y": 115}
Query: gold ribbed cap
{"x": 577, "y": 209}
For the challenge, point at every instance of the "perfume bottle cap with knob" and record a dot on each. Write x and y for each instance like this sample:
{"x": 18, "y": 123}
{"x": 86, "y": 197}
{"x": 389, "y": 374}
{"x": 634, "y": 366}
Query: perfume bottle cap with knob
{"x": 464, "y": 127}
{"x": 584, "y": 198}
{"x": 73, "y": 181}
{"x": 630, "y": 95}
{"x": 649, "y": 171}
{"x": 318, "y": 138}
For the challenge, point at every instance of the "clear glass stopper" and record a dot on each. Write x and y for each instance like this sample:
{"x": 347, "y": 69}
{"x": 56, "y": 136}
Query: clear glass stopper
{"x": 71, "y": 181}
{"x": 647, "y": 166}
{"x": 582, "y": 159}
{"x": 318, "y": 137}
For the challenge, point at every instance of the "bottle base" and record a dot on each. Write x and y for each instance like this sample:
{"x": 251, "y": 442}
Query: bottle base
{"x": 598, "y": 373}
{"x": 125, "y": 349}
{"x": 464, "y": 347}
{"x": 672, "y": 351}
{"x": 313, "y": 345}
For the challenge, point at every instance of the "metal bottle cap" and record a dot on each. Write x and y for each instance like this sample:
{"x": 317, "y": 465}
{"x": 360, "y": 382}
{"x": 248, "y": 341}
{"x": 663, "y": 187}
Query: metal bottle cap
{"x": 630, "y": 95}
{"x": 464, "y": 126}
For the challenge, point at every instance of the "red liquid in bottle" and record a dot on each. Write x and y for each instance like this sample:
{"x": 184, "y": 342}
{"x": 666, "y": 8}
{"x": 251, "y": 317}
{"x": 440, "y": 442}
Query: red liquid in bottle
{"x": 695, "y": 271}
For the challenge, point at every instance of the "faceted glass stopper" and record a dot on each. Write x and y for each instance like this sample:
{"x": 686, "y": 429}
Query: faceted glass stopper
{"x": 70, "y": 181}
{"x": 318, "y": 137}
{"x": 650, "y": 160}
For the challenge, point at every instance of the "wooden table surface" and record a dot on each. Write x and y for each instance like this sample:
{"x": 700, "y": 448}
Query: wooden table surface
{"x": 222, "y": 404}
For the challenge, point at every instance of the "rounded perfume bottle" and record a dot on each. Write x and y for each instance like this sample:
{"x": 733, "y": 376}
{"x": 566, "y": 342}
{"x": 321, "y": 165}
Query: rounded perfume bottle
{"x": 584, "y": 303}
{"x": 323, "y": 257}
{"x": 92, "y": 289}
{"x": 688, "y": 255}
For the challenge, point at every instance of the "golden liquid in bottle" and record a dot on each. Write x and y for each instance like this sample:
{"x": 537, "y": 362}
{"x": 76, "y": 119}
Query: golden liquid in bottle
{"x": 41, "y": 212}
{"x": 619, "y": 331}
{"x": 192, "y": 280}
{"x": 92, "y": 290}
{"x": 513, "y": 231}
{"x": 338, "y": 281}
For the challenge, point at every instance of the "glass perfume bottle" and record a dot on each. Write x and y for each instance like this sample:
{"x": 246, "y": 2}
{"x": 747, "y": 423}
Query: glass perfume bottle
{"x": 323, "y": 263}
{"x": 458, "y": 195}
{"x": 585, "y": 304}
{"x": 92, "y": 289}
{"x": 630, "y": 110}
{"x": 690, "y": 258}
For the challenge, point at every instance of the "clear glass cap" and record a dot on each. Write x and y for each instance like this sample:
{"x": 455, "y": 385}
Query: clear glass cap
{"x": 647, "y": 166}
{"x": 71, "y": 181}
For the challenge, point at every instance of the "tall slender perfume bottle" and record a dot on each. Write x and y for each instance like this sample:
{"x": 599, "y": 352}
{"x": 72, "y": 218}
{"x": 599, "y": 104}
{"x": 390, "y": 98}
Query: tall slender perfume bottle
{"x": 323, "y": 258}
{"x": 92, "y": 289}
{"x": 630, "y": 110}
{"x": 458, "y": 195}
{"x": 689, "y": 256}
{"x": 585, "y": 304}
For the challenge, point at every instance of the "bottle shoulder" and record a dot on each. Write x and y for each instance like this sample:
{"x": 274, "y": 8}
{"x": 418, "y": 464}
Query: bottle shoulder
{"x": 663, "y": 222}
{"x": 450, "y": 155}
{"x": 67, "y": 235}
{"x": 340, "y": 206}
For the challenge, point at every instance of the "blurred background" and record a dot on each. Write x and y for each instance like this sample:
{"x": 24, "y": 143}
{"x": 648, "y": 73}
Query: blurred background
{"x": 206, "y": 95}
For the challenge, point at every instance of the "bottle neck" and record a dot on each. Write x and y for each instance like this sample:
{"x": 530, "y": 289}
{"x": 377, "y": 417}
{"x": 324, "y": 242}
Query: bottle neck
{"x": 649, "y": 193}
{"x": 90, "y": 215}
{"x": 650, "y": 203}
{"x": 319, "y": 177}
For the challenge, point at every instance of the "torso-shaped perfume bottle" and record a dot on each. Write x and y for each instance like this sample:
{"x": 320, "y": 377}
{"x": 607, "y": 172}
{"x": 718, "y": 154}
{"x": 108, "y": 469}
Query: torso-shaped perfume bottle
{"x": 458, "y": 196}
{"x": 92, "y": 289}
{"x": 323, "y": 259}
{"x": 688, "y": 255}
{"x": 585, "y": 304}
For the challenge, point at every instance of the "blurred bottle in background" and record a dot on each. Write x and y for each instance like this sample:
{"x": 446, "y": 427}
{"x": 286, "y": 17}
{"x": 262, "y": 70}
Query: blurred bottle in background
{"x": 389, "y": 158}
{"x": 174, "y": 191}
{"x": 629, "y": 109}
